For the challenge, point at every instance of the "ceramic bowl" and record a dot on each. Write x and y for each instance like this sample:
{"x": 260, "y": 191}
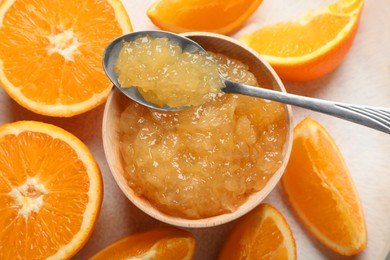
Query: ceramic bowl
{"x": 117, "y": 102}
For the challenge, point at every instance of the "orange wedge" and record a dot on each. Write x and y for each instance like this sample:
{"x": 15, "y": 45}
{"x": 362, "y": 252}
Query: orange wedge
{"x": 321, "y": 190}
{"x": 163, "y": 243}
{"x": 261, "y": 234}
{"x": 311, "y": 46}
{"x": 51, "y": 52}
{"x": 50, "y": 192}
{"x": 219, "y": 16}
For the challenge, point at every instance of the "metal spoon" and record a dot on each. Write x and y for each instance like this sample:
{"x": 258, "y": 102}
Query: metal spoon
{"x": 374, "y": 117}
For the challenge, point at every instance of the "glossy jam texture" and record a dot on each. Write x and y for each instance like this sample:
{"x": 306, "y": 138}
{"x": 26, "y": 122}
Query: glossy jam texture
{"x": 165, "y": 75}
{"x": 206, "y": 160}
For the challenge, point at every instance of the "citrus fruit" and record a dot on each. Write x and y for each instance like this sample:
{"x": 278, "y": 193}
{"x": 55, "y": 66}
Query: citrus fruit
{"x": 219, "y": 16}
{"x": 261, "y": 234}
{"x": 311, "y": 46}
{"x": 50, "y": 192}
{"x": 320, "y": 188}
{"x": 51, "y": 52}
{"x": 162, "y": 243}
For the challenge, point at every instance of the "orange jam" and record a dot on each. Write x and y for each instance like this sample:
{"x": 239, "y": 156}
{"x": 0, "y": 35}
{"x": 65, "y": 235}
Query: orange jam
{"x": 206, "y": 160}
{"x": 164, "y": 75}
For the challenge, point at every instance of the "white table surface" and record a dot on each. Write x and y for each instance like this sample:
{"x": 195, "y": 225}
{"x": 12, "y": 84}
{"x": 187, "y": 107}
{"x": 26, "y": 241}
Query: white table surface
{"x": 363, "y": 78}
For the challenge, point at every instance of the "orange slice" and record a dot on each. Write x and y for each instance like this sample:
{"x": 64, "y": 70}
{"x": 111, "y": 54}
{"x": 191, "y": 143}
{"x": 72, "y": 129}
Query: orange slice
{"x": 51, "y": 52}
{"x": 261, "y": 234}
{"x": 50, "y": 192}
{"x": 311, "y": 46}
{"x": 163, "y": 243}
{"x": 219, "y": 16}
{"x": 321, "y": 191}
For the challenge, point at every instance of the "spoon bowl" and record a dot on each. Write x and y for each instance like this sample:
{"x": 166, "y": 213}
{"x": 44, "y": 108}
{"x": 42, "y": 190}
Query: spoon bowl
{"x": 112, "y": 51}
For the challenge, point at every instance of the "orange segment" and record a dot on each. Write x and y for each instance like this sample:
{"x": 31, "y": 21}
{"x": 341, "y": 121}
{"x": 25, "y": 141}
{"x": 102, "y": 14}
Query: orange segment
{"x": 219, "y": 16}
{"x": 163, "y": 243}
{"x": 261, "y": 234}
{"x": 50, "y": 192}
{"x": 311, "y": 46}
{"x": 50, "y": 52}
{"x": 321, "y": 190}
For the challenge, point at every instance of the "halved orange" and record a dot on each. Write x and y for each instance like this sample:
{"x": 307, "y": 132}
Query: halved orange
{"x": 219, "y": 16}
{"x": 261, "y": 234}
{"x": 51, "y": 52}
{"x": 320, "y": 188}
{"x": 311, "y": 46}
{"x": 161, "y": 243}
{"x": 50, "y": 192}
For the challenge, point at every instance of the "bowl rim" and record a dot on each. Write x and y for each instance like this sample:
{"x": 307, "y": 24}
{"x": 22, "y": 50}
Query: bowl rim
{"x": 253, "y": 200}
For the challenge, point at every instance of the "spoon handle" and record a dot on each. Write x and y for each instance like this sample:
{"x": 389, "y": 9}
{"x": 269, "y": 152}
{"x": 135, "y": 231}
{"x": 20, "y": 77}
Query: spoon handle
{"x": 374, "y": 117}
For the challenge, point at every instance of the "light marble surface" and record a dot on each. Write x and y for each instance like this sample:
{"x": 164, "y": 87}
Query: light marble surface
{"x": 363, "y": 78}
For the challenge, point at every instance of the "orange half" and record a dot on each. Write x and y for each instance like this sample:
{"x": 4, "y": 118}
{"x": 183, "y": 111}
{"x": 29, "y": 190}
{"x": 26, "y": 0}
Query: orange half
{"x": 51, "y": 52}
{"x": 50, "y": 192}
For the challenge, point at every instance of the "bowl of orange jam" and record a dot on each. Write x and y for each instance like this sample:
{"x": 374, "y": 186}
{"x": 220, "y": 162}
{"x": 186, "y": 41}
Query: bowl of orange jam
{"x": 208, "y": 164}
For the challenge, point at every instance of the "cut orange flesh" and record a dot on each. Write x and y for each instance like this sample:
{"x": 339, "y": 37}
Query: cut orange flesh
{"x": 321, "y": 190}
{"x": 261, "y": 234}
{"x": 51, "y": 52}
{"x": 219, "y": 16}
{"x": 311, "y": 46}
{"x": 50, "y": 192}
{"x": 163, "y": 243}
